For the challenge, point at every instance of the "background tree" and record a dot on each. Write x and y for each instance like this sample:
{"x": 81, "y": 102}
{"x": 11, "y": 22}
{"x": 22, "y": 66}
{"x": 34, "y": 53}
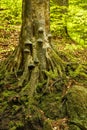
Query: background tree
{"x": 61, "y": 12}
{"x": 77, "y": 21}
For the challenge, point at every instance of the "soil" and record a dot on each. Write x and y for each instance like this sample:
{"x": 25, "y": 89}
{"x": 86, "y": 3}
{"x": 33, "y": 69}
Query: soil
{"x": 9, "y": 38}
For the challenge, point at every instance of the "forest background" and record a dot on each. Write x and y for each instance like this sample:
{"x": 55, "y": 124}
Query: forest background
{"x": 75, "y": 19}
{"x": 72, "y": 49}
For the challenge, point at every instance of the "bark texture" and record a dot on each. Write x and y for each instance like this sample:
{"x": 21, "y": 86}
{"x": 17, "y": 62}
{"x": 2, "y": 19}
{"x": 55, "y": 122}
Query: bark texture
{"x": 34, "y": 35}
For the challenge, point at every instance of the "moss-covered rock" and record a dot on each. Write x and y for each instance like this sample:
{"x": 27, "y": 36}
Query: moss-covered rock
{"x": 50, "y": 104}
{"x": 75, "y": 107}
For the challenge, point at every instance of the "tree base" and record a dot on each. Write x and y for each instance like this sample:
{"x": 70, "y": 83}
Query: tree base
{"x": 39, "y": 103}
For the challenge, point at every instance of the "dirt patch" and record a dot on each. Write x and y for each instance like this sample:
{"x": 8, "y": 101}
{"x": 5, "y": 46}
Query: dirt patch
{"x": 9, "y": 38}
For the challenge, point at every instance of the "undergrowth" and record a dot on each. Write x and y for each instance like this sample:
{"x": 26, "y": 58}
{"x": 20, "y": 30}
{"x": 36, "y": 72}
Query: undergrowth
{"x": 10, "y": 11}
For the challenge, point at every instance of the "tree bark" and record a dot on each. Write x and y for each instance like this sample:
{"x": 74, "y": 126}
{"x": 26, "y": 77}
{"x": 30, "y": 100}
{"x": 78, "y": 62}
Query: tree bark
{"x": 34, "y": 40}
{"x": 34, "y": 57}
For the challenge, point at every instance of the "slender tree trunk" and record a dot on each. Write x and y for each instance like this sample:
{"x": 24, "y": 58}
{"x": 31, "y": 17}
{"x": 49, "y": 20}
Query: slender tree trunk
{"x": 63, "y": 10}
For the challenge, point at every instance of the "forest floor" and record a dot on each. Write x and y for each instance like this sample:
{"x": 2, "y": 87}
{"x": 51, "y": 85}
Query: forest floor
{"x": 9, "y": 38}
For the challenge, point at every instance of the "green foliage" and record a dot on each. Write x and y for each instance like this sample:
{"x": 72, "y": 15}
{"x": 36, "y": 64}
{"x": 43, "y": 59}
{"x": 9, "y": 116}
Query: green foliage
{"x": 77, "y": 18}
{"x": 73, "y": 47}
{"x": 11, "y": 11}
{"x": 52, "y": 74}
{"x": 14, "y": 125}
{"x": 57, "y": 18}
{"x": 74, "y": 18}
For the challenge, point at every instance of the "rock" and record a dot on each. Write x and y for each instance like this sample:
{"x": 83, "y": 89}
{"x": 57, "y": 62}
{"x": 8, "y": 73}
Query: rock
{"x": 75, "y": 107}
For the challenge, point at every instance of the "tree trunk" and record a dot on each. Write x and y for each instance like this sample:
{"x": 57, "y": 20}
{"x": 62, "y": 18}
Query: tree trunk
{"x": 31, "y": 64}
{"x": 33, "y": 35}
{"x": 34, "y": 54}
{"x": 63, "y": 11}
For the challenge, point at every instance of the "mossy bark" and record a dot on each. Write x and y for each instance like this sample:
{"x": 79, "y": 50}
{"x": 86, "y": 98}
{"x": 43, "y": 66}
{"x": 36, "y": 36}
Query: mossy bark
{"x": 34, "y": 55}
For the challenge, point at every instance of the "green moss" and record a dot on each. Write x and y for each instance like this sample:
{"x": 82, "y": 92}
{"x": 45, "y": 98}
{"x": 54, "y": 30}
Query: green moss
{"x": 3, "y": 106}
{"x": 52, "y": 74}
{"x": 13, "y": 128}
{"x": 7, "y": 93}
{"x": 47, "y": 125}
{"x": 77, "y": 71}
{"x": 19, "y": 124}
{"x": 74, "y": 127}
{"x": 75, "y": 106}
{"x": 40, "y": 86}
{"x": 51, "y": 101}
{"x": 34, "y": 118}
{"x": 14, "y": 125}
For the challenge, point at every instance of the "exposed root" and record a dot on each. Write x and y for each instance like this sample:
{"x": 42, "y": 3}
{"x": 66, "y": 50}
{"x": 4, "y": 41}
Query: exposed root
{"x": 14, "y": 61}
